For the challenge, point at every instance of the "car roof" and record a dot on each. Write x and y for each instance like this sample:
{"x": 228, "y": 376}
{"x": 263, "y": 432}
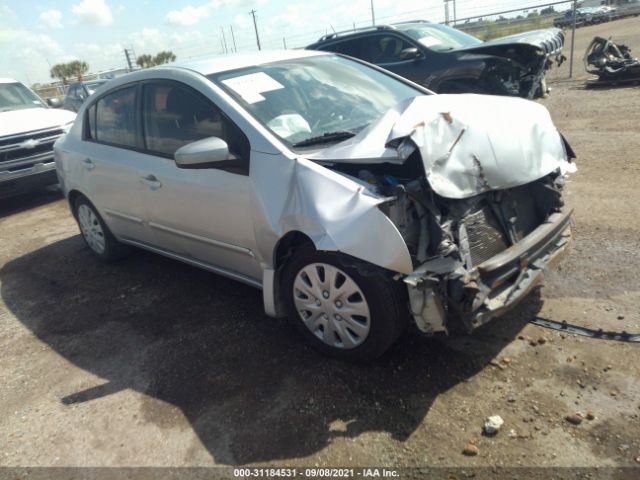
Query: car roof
{"x": 8, "y": 80}
{"x": 397, "y": 27}
{"x": 222, "y": 63}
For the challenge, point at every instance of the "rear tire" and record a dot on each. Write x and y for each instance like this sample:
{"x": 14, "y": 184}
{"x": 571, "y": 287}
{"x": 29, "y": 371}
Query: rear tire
{"x": 96, "y": 234}
{"x": 343, "y": 307}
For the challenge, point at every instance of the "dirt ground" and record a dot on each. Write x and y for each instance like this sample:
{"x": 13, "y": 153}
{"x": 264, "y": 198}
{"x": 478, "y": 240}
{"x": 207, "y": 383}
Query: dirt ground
{"x": 149, "y": 362}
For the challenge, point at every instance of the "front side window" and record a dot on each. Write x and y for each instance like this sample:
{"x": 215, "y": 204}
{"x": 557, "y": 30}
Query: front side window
{"x": 387, "y": 48}
{"x": 15, "y": 96}
{"x": 116, "y": 119}
{"x": 314, "y": 99}
{"x": 174, "y": 115}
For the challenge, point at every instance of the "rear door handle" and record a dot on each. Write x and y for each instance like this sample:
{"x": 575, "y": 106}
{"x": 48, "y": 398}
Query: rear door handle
{"x": 88, "y": 164}
{"x": 151, "y": 181}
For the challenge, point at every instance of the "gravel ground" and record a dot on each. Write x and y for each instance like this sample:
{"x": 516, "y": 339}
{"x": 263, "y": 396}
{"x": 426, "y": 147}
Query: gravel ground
{"x": 149, "y": 362}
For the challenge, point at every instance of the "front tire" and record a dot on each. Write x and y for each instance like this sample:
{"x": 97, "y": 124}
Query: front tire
{"x": 343, "y": 307}
{"x": 96, "y": 234}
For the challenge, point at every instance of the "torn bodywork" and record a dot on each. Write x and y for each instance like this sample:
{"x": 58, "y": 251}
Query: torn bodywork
{"x": 516, "y": 65}
{"x": 611, "y": 62}
{"x": 477, "y": 200}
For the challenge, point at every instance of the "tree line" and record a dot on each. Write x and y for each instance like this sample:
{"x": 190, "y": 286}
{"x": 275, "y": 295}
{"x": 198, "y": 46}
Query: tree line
{"x": 77, "y": 68}
{"x": 146, "y": 61}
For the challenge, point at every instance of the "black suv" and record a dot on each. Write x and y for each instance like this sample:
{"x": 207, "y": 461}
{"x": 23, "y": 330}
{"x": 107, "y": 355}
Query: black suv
{"x": 447, "y": 60}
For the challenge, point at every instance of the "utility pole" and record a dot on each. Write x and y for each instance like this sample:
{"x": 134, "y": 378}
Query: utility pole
{"x": 373, "y": 15}
{"x": 284, "y": 42}
{"x": 224, "y": 41}
{"x": 233, "y": 38}
{"x": 455, "y": 15}
{"x": 128, "y": 56}
{"x": 255, "y": 26}
{"x": 573, "y": 37}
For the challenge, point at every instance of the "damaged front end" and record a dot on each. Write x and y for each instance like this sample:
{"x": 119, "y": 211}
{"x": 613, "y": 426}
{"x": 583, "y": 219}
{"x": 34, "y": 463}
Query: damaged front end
{"x": 611, "y": 62}
{"x": 480, "y": 256}
{"x": 518, "y": 63}
{"x": 476, "y": 197}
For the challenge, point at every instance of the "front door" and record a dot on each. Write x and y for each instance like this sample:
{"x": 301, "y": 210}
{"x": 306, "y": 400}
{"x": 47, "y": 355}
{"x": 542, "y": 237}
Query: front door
{"x": 203, "y": 214}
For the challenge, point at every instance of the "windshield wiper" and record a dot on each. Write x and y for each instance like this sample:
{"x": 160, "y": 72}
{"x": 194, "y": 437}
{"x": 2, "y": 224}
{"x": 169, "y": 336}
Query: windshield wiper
{"x": 325, "y": 138}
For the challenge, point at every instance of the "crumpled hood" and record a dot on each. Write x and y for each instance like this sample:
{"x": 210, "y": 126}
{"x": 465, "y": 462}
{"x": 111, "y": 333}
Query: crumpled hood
{"x": 469, "y": 143}
{"x": 30, "y": 119}
{"x": 550, "y": 41}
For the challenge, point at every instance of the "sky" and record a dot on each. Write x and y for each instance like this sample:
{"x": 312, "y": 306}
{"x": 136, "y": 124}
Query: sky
{"x": 37, "y": 34}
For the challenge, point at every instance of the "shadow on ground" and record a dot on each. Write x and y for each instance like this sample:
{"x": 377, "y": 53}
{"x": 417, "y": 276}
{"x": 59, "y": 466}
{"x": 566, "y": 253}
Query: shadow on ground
{"x": 20, "y": 203}
{"x": 606, "y": 86}
{"x": 249, "y": 388}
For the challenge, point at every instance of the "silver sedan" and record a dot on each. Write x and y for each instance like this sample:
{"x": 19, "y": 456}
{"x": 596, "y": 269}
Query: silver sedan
{"x": 356, "y": 200}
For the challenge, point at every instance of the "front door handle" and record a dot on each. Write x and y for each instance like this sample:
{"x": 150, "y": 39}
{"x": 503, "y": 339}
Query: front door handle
{"x": 88, "y": 164}
{"x": 151, "y": 181}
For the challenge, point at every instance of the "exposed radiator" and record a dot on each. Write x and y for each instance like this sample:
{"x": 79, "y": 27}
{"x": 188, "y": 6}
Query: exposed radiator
{"x": 485, "y": 235}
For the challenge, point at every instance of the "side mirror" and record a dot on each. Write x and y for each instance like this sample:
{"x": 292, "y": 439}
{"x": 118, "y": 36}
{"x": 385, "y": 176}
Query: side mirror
{"x": 54, "y": 102}
{"x": 208, "y": 152}
{"x": 410, "y": 53}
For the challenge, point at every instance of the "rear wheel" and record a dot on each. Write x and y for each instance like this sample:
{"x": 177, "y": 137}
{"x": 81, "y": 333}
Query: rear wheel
{"x": 343, "y": 307}
{"x": 96, "y": 234}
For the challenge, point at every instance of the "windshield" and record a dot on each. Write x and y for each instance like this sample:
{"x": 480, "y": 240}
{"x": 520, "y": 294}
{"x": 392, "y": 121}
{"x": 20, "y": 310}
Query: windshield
{"x": 438, "y": 37}
{"x": 15, "y": 96}
{"x": 314, "y": 100}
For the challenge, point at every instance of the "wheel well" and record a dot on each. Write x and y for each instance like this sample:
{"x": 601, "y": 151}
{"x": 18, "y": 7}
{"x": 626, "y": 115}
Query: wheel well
{"x": 459, "y": 85}
{"x": 287, "y": 245}
{"x": 73, "y": 197}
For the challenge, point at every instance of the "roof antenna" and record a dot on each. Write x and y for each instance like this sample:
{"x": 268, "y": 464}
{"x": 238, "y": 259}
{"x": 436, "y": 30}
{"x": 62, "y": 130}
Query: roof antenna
{"x": 334, "y": 30}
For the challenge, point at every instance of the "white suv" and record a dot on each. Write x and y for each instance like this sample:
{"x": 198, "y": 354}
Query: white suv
{"x": 28, "y": 129}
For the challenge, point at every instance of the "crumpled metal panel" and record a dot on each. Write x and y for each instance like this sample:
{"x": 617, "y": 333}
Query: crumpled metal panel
{"x": 469, "y": 143}
{"x": 549, "y": 40}
{"x": 337, "y": 213}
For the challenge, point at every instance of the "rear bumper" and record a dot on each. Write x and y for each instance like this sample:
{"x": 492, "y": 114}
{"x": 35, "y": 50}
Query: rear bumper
{"x": 496, "y": 285}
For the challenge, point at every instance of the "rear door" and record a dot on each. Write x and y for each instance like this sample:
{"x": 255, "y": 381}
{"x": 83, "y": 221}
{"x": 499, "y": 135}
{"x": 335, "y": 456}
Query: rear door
{"x": 111, "y": 163}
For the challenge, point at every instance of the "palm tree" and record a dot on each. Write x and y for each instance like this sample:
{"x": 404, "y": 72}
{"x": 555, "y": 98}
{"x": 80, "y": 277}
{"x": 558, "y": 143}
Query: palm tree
{"x": 145, "y": 61}
{"x": 78, "y": 68}
{"x": 164, "y": 57}
{"x": 61, "y": 71}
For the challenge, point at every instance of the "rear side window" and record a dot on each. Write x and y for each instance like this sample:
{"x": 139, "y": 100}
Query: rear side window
{"x": 73, "y": 91}
{"x": 115, "y": 118}
{"x": 358, "y": 48}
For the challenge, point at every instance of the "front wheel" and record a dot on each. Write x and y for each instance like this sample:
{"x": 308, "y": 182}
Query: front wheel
{"x": 343, "y": 307}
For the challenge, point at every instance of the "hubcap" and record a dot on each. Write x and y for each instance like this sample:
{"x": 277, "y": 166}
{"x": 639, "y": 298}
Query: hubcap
{"x": 331, "y": 305}
{"x": 91, "y": 229}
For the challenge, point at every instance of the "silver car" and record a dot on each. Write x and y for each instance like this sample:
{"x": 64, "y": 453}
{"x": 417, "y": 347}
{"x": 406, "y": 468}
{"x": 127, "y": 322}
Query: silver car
{"x": 356, "y": 200}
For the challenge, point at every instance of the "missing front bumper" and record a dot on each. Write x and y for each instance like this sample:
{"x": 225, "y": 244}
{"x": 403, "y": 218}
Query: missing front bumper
{"x": 491, "y": 288}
